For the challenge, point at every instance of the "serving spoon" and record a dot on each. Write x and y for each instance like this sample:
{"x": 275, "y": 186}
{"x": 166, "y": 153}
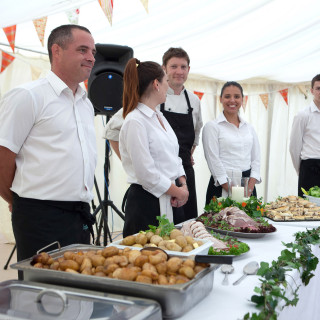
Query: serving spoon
{"x": 250, "y": 268}
{"x": 226, "y": 269}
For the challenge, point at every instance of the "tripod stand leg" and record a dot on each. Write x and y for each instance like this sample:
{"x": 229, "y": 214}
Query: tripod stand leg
{"x": 9, "y": 259}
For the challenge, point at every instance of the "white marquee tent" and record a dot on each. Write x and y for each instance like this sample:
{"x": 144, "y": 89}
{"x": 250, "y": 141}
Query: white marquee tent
{"x": 266, "y": 45}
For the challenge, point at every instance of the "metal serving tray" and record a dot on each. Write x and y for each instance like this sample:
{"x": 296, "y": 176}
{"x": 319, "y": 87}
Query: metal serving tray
{"x": 30, "y": 300}
{"x": 175, "y": 300}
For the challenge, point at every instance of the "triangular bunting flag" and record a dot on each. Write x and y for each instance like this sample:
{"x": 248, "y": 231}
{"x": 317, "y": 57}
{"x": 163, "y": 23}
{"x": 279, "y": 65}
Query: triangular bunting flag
{"x": 265, "y": 99}
{"x": 199, "y": 94}
{"x": 145, "y": 4}
{"x": 107, "y": 7}
{"x": 244, "y": 103}
{"x": 6, "y": 60}
{"x": 73, "y": 16}
{"x": 284, "y": 94}
{"x": 11, "y": 35}
{"x": 304, "y": 91}
{"x": 40, "y": 25}
{"x": 86, "y": 84}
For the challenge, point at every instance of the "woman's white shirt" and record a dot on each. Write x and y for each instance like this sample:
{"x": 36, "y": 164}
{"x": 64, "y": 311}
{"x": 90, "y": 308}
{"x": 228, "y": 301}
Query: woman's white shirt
{"x": 149, "y": 153}
{"x": 227, "y": 147}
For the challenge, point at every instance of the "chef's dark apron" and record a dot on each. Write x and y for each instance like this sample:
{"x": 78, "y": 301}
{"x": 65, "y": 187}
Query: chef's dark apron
{"x": 212, "y": 190}
{"x": 182, "y": 125}
{"x": 309, "y": 175}
{"x": 142, "y": 208}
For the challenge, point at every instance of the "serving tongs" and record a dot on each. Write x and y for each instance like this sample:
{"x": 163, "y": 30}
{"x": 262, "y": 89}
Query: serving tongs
{"x": 198, "y": 258}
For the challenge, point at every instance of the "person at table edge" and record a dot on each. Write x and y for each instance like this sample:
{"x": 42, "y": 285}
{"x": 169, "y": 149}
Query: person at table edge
{"x": 230, "y": 145}
{"x": 305, "y": 141}
{"x": 48, "y": 148}
{"x": 149, "y": 150}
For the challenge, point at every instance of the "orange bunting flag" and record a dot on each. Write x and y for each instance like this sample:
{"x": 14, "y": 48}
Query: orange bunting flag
{"x": 284, "y": 94}
{"x": 145, "y": 4}
{"x": 40, "y": 25}
{"x": 73, "y": 16}
{"x": 11, "y": 35}
{"x": 86, "y": 84}
{"x": 265, "y": 99}
{"x": 244, "y": 104}
{"x": 107, "y": 7}
{"x": 6, "y": 60}
{"x": 199, "y": 94}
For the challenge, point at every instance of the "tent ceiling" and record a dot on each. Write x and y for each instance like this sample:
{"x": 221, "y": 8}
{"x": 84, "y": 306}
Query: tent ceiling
{"x": 226, "y": 39}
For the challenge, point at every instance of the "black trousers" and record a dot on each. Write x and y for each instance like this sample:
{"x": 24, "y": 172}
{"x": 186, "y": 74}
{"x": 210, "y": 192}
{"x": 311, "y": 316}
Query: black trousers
{"x": 141, "y": 210}
{"x": 309, "y": 175}
{"x": 38, "y": 223}
{"x": 212, "y": 190}
{"x": 191, "y": 207}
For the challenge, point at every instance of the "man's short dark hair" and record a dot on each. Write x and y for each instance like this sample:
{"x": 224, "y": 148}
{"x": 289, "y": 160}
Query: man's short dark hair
{"x": 316, "y": 78}
{"x": 62, "y": 36}
{"x": 176, "y": 53}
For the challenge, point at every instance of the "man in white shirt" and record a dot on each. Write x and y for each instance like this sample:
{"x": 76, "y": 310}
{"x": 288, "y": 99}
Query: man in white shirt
{"x": 182, "y": 110}
{"x": 48, "y": 148}
{"x": 305, "y": 141}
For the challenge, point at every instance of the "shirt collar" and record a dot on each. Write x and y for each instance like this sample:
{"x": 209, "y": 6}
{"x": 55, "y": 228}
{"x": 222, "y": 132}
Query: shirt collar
{"x": 314, "y": 108}
{"x": 146, "y": 110}
{"x": 221, "y": 118}
{"x": 58, "y": 85}
{"x": 171, "y": 92}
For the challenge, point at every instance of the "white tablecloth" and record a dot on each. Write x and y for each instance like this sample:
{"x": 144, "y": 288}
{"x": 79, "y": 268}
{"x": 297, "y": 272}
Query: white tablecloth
{"x": 233, "y": 302}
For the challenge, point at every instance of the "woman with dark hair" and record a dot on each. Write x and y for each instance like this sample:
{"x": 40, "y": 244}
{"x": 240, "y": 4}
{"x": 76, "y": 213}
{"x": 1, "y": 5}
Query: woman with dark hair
{"x": 231, "y": 145}
{"x": 149, "y": 150}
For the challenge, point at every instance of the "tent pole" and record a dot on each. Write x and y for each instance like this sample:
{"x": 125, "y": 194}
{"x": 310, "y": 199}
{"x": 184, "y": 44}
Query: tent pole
{"x": 25, "y": 49}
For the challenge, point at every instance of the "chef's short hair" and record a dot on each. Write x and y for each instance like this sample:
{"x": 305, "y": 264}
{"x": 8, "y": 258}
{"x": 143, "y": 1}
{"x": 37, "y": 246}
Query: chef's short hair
{"x": 174, "y": 53}
{"x": 316, "y": 78}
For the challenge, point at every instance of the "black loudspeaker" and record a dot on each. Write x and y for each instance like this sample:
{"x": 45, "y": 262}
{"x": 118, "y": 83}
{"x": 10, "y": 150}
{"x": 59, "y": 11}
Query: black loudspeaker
{"x": 105, "y": 84}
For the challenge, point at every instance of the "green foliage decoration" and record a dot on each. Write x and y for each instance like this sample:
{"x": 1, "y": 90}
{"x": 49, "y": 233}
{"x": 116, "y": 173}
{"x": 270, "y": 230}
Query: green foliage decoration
{"x": 271, "y": 297}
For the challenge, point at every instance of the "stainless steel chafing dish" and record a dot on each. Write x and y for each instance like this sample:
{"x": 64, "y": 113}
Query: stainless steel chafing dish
{"x": 30, "y": 300}
{"x": 175, "y": 300}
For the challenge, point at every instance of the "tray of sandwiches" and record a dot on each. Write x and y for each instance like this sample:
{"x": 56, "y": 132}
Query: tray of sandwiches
{"x": 292, "y": 208}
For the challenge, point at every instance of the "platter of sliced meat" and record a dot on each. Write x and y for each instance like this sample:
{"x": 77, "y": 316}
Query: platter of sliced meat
{"x": 220, "y": 244}
{"x": 234, "y": 222}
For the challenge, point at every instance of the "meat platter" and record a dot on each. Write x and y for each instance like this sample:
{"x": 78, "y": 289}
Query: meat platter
{"x": 238, "y": 234}
{"x": 175, "y": 300}
{"x": 235, "y": 222}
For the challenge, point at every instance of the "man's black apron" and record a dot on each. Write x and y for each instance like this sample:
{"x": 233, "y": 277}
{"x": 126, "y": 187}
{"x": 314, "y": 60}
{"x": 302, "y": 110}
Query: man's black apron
{"x": 182, "y": 125}
{"x": 309, "y": 175}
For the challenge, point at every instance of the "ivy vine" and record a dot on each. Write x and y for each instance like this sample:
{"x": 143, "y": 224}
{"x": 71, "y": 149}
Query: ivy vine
{"x": 271, "y": 295}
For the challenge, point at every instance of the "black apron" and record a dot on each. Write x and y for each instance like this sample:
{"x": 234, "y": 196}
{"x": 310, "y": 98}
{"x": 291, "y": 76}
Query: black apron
{"x": 309, "y": 175}
{"x": 182, "y": 125}
{"x": 212, "y": 190}
{"x": 142, "y": 208}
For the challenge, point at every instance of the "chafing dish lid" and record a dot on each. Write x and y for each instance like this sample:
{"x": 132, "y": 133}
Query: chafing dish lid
{"x": 29, "y": 300}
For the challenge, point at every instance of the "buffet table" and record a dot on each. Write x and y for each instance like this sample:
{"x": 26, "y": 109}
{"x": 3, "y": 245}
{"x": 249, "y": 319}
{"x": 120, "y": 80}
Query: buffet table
{"x": 233, "y": 302}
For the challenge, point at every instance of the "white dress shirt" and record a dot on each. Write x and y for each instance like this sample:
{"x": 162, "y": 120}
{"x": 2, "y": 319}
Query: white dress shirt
{"x": 149, "y": 154}
{"x": 305, "y": 135}
{"x": 228, "y": 148}
{"x": 174, "y": 103}
{"x": 52, "y": 133}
